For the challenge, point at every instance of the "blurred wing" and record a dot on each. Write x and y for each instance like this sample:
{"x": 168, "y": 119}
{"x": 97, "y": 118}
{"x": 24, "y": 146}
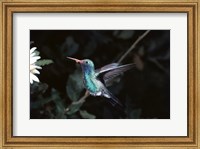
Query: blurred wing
{"x": 106, "y": 68}
{"x": 109, "y": 76}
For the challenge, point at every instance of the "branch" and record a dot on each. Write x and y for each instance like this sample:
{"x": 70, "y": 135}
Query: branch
{"x": 82, "y": 99}
{"x": 133, "y": 46}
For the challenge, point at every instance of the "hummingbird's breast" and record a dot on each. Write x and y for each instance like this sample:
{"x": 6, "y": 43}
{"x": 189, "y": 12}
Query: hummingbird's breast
{"x": 89, "y": 79}
{"x": 91, "y": 84}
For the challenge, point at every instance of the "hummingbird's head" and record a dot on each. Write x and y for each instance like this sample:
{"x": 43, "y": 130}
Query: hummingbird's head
{"x": 87, "y": 63}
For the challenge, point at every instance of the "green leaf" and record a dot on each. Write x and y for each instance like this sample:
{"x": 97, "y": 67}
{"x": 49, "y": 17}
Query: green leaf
{"x": 131, "y": 110}
{"x": 74, "y": 116}
{"x": 40, "y": 102}
{"x": 38, "y": 88}
{"x": 125, "y": 34}
{"x": 75, "y": 85}
{"x": 86, "y": 115}
{"x": 69, "y": 47}
{"x": 135, "y": 114}
{"x": 44, "y": 62}
{"x": 59, "y": 104}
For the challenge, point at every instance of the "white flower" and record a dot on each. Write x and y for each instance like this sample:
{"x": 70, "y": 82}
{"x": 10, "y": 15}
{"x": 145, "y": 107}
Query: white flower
{"x": 33, "y": 66}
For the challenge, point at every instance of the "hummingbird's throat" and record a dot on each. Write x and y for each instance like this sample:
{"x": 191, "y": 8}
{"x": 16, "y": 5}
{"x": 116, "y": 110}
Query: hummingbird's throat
{"x": 88, "y": 71}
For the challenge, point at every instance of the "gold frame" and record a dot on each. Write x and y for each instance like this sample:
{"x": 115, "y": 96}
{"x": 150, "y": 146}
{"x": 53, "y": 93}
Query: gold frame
{"x": 191, "y": 7}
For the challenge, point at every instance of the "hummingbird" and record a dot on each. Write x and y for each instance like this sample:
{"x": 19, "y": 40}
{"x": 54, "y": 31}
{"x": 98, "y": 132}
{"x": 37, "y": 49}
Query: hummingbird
{"x": 92, "y": 82}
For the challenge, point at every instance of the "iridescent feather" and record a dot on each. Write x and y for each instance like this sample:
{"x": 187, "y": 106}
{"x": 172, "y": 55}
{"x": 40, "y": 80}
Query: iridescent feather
{"x": 93, "y": 84}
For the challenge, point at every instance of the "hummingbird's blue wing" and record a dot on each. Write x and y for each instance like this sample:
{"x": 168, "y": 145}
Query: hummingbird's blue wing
{"x": 106, "y": 68}
{"x": 112, "y": 70}
{"x": 110, "y": 75}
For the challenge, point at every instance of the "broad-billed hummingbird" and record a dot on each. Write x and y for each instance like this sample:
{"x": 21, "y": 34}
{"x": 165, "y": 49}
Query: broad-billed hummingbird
{"x": 93, "y": 84}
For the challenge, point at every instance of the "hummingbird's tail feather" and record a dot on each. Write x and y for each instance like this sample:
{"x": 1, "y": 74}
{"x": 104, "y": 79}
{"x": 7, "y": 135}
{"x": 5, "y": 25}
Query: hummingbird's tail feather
{"x": 112, "y": 99}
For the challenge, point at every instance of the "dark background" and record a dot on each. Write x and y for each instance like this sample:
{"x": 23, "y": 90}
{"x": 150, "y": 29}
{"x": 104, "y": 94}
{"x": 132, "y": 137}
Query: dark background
{"x": 144, "y": 90}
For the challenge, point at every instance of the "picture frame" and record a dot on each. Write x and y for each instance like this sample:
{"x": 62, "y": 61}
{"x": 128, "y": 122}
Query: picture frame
{"x": 9, "y": 7}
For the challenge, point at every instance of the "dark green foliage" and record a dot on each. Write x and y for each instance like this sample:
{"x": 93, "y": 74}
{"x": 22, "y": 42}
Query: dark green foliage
{"x": 126, "y": 34}
{"x": 44, "y": 62}
{"x": 144, "y": 91}
{"x": 74, "y": 85}
{"x": 69, "y": 43}
{"x": 86, "y": 115}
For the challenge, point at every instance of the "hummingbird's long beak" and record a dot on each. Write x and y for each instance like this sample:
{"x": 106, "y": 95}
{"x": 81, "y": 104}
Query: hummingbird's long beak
{"x": 74, "y": 59}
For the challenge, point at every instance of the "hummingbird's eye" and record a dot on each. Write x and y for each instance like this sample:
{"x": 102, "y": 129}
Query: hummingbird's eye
{"x": 86, "y": 62}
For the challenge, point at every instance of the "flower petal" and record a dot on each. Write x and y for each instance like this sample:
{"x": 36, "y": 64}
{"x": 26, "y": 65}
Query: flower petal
{"x": 32, "y": 54}
{"x": 33, "y": 49}
{"x": 35, "y": 71}
{"x": 34, "y": 67}
{"x": 34, "y": 78}
{"x": 38, "y": 67}
{"x": 34, "y": 59}
{"x": 31, "y": 81}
